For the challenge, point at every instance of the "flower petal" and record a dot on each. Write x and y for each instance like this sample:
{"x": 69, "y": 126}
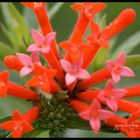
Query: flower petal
{"x": 8, "y": 125}
{"x": 121, "y": 59}
{"x": 112, "y": 104}
{"x": 109, "y": 85}
{"x": 25, "y": 71}
{"x": 95, "y": 125}
{"x": 17, "y": 134}
{"x": 37, "y": 36}
{"x": 98, "y": 7}
{"x": 66, "y": 65}
{"x": 125, "y": 71}
{"x": 116, "y": 77}
{"x": 118, "y": 93}
{"x": 78, "y": 7}
{"x": 104, "y": 114}
{"x": 69, "y": 79}
{"x": 101, "y": 97}
{"x": 16, "y": 115}
{"x": 35, "y": 56}
{"x": 50, "y": 37}
{"x": 95, "y": 105}
{"x": 85, "y": 115}
{"x": 24, "y": 59}
{"x": 83, "y": 74}
{"x": 33, "y": 82}
{"x": 45, "y": 49}
{"x": 110, "y": 65}
{"x": 32, "y": 48}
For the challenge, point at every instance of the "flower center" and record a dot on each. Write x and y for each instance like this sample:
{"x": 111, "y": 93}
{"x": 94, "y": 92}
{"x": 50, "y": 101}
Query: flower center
{"x": 73, "y": 70}
{"x": 18, "y": 126}
{"x": 94, "y": 114}
{"x": 117, "y": 69}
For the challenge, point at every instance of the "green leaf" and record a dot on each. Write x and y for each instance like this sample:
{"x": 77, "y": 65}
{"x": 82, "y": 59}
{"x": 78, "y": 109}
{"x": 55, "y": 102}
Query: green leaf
{"x": 44, "y": 134}
{"x": 103, "y": 22}
{"x": 56, "y": 7}
{"x": 99, "y": 60}
{"x": 128, "y": 45}
{"x": 6, "y": 118}
{"x": 18, "y": 32}
{"x": 133, "y": 61}
{"x": 5, "y": 50}
{"x": 38, "y": 133}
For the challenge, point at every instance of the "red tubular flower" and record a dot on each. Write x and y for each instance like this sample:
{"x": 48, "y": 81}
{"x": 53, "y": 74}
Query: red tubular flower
{"x": 87, "y": 13}
{"x": 43, "y": 20}
{"x": 126, "y": 17}
{"x": 21, "y": 92}
{"x": 88, "y": 95}
{"x": 70, "y": 73}
{"x": 79, "y": 106}
{"x": 21, "y": 123}
{"x": 12, "y": 62}
{"x": 133, "y": 91}
{"x": 127, "y": 106}
{"x": 43, "y": 78}
{"x": 74, "y": 52}
{"x": 97, "y": 77}
{"x": 124, "y": 105}
{"x": 42, "y": 44}
{"x": 54, "y": 63}
{"x": 4, "y": 77}
{"x": 129, "y": 128}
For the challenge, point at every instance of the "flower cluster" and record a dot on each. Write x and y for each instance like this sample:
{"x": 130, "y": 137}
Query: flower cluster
{"x": 67, "y": 79}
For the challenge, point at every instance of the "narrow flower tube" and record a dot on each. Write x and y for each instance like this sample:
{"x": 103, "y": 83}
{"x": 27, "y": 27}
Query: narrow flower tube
{"x": 87, "y": 12}
{"x": 55, "y": 87}
{"x": 80, "y": 28}
{"x": 131, "y": 129}
{"x": 54, "y": 63}
{"x": 21, "y": 92}
{"x": 31, "y": 115}
{"x": 88, "y": 95}
{"x": 126, "y": 17}
{"x": 43, "y": 20}
{"x": 13, "y": 62}
{"x": 133, "y": 91}
{"x": 90, "y": 57}
{"x": 79, "y": 106}
{"x": 95, "y": 78}
{"x": 124, "y": 105}
{"x": 127, "y": 106}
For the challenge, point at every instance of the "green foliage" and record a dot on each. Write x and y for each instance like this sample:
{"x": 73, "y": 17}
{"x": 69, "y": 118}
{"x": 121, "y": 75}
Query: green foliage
{"x": 15, "y": 36}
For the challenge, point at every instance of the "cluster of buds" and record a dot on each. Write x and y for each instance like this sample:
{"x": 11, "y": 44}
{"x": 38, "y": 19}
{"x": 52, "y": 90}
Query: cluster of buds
{"x": 67, "y": 79}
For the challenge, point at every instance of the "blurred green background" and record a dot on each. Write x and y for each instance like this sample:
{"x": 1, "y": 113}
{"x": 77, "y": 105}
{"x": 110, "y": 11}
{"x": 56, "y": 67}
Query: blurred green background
{"x": 17, "y": 21}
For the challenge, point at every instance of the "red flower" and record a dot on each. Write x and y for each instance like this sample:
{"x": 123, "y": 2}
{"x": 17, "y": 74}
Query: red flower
{"x": 21, "y": 123}
{"x": 101, "y": 38}
{"x": 89, "y": 8}
{"x": 43, "y": 78}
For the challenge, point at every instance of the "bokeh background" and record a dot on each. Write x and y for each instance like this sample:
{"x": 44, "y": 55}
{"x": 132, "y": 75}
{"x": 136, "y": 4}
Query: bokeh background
{"x": 17, "y": 21}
